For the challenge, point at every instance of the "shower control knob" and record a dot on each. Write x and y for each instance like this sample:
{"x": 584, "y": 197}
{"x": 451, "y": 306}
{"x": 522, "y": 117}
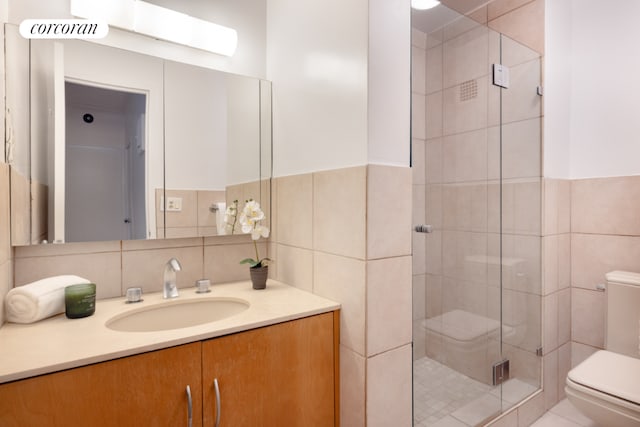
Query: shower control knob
{"x": 423, "y": 228}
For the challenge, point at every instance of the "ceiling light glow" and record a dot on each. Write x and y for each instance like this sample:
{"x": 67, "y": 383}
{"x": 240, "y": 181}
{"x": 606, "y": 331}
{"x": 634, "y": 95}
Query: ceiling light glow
{"x": 424, "y": 4}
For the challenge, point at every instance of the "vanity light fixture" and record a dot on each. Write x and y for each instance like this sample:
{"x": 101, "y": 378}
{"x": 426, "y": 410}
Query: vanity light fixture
{"x": 424, "y": 4}
{"x": 159, "y": 22}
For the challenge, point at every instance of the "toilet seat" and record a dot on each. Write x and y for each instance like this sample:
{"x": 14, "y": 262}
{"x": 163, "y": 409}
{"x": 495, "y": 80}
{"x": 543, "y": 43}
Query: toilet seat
{"x": 606, "y": 388}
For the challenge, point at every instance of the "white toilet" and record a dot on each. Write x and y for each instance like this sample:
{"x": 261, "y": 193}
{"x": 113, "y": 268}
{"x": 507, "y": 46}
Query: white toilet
{"x": 606, "y": 386}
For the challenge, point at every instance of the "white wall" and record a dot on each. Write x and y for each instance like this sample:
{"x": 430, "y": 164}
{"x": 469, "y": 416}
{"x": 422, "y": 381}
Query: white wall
{"x": 317, "y": 60}
{"x": 592, "y": 89}
{"x": 389, "y": 96}
{"x": 195, "y": 128}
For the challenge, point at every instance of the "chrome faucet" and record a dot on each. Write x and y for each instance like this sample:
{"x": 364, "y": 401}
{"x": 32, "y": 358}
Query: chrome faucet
{"x": 170, "y": 289}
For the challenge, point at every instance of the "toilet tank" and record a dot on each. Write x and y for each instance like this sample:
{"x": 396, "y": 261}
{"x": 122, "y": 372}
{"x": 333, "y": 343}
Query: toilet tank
{"x": 622, "y": 333}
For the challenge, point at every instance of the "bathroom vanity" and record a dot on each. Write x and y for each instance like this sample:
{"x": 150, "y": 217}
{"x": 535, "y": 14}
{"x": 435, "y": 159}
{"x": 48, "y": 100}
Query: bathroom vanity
{"x": 276, "y": 363}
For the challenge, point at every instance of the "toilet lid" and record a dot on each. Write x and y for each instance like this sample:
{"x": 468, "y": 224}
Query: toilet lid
{"x": 612, "y": 373}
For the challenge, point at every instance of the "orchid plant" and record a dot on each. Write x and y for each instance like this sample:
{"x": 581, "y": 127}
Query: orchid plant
{"x": 231, "y": 217}
{"x": 250, "y": 219}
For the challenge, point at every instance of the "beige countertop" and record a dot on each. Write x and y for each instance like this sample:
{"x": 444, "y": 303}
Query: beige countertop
{"x": 59, "y": 343}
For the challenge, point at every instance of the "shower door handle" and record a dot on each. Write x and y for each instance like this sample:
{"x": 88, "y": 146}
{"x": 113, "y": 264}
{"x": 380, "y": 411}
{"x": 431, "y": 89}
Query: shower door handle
{"x": 423, "y": 228}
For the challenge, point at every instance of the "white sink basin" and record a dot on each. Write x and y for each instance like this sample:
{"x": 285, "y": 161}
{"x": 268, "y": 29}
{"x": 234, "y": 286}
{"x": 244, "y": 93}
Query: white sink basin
{"x": 176, "y": 314}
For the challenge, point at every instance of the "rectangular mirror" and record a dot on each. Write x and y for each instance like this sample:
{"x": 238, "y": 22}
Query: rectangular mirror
{"x": 109, "y": 144}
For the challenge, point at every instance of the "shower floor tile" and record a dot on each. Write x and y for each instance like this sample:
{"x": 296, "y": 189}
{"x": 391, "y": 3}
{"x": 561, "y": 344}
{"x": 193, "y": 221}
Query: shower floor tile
{"x": 443, "y": 397}
{"x": 439, "y": 391}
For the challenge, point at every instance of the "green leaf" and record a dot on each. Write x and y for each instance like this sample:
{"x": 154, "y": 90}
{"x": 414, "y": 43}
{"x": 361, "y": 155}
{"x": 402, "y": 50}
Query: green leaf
{"x": 250, "y": 261}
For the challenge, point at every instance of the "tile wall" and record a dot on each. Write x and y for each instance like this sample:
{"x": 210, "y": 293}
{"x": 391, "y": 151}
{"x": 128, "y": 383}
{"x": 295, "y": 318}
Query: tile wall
{"x": 115, "y": 266}
{"x": 457, "y": 170}
{"x": 6, "y": 253}
{"x": 605, "y": 236}
{"x": 345, "y": 234}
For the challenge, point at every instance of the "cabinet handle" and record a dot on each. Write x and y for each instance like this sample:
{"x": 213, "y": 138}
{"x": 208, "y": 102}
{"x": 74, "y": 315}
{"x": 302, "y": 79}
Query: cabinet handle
{"x": 218, "y": 406}
{"x": 189, "y": 407}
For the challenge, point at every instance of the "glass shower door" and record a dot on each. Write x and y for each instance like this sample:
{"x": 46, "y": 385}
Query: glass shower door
{"x": 477, "y": 185}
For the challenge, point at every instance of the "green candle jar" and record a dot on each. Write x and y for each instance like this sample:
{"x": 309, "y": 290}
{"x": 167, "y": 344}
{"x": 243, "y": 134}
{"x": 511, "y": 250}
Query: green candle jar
{"x": 80, "y": 300}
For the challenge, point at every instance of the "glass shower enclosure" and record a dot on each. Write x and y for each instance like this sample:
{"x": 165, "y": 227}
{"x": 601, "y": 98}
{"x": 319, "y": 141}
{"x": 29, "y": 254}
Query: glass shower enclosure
{"x": 476, "y": 156}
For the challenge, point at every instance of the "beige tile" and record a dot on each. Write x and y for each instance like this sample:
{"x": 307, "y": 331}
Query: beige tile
{"x": 465, "y": 56}
{"x": 433, "y": 113}
{"x": 339, "y": 211}
{"x": 587, "y": 317}
{"x": 388, "y": 388}
{"x": 479, "y": 15}
{"x": 6, "y": 283}
{"x": 550, "y": 379}
{"x": 418, "y": 299}
{"x": 500, "y": 7}
{"x": 564, "y": 261}
{"x": 145, "y": 268}
{"x": 463, "y": 6}
{"x": 418, "y": 147}
{"x": 5, "y": 225}
{"x": 564, "y": 316}
{"x": 344, "y": 280}
{"x": 521, "y": 263}
{"x": 295, "y": 267}
{"x": 132, "y": 245}
{"x": 550, "y": 316}
{"x": 606, "y": 205}
{"x": 433, "y": 296}
{"x": 418, "y": 116}
{"x": 564, "y": 206}
{"x": 520, "y": 101}
{"x": 524, "y": 24}
{"x": 352, "y": 388}
{"x": 222, "y": 262}
{"x": 580, "y": 352}
{"x": 462, "y": 24}
{"x": 513, "y": 52}
{"x": 564, "y": 366}
{"x": 522, "y": 312}
{"x": 207, "y": 217}
{"x": 180, "y": 232}
{"x": 593, "y": 256}
{"x": 67, "y": 249}
{"x": 550, "y": 265}
{"x": 465, "y": 108}
{"x": 295, "y": 207}
{"x": 433, "y": 162}
{"x": 521, "y": 149}
{"x": 389, "y": 304}
{"x": 418, "y": 39}
{"x": 101, "y": 268}
{"x": 418, "y": 63}
{"x": 188, "y": 216}
{"x": 507, "y": 420}
{"x": 389, "y": 213}
{"x": 531, "y": 410}
{"x": 20, "y": 209}
{"x": 550, "y": 206}
{"x": 524, "y": 365}
{"x": 434, "y": 39}
{"x": 433, "y": 71}
{"x": 39, "y": 212}
{"x": 433, "y": 206}
{"x": 464, "y": 157}
{"x": 521, "y": 210}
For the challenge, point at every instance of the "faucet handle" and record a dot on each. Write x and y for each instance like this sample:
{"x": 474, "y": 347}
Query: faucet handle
{"x": 202, "y": 286}
{"x": 134, "y": 295}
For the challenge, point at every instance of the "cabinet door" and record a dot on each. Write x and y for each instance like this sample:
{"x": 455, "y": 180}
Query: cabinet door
{"x": 281, "y": 375}
{"x": 143, "y": 390}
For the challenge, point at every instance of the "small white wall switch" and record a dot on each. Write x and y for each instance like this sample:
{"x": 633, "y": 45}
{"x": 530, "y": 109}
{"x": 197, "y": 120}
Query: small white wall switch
{"x": 174, "y": 204}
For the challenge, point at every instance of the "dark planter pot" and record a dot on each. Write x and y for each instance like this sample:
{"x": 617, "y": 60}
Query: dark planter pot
{"x": 259, "y": 276}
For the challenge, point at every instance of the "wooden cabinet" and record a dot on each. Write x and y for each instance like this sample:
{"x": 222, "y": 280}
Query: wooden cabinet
{"x": 280, "y": 375}
{"x": 144, "y": 390}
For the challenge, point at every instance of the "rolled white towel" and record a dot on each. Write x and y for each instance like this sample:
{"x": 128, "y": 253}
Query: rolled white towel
{"x": 220, "y": 214}
{"x": 40, "y": 299}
